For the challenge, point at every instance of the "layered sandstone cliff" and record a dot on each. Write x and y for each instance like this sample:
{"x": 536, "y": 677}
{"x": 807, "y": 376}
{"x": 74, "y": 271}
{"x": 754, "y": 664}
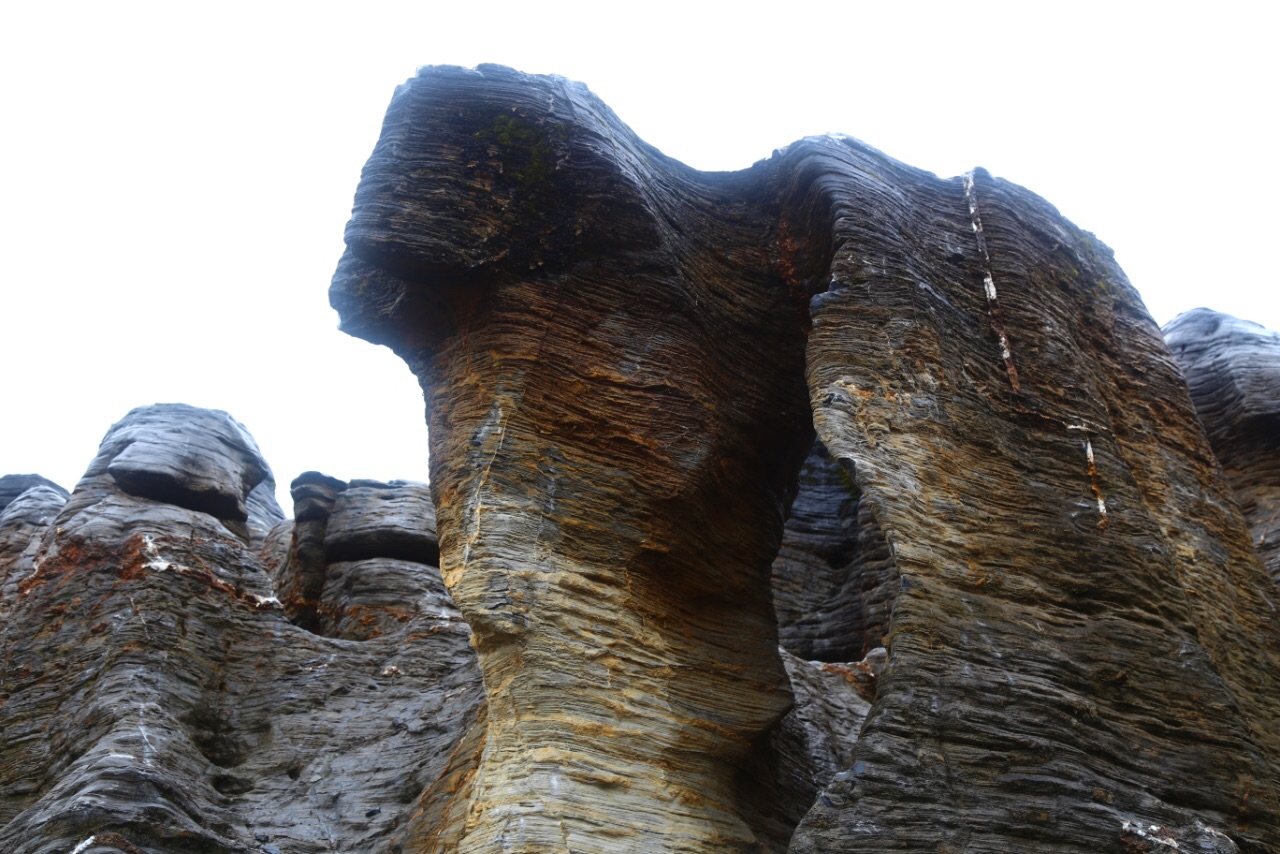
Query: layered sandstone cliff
{"x": 822, "y": 506}
{"x": 617, "y": 351}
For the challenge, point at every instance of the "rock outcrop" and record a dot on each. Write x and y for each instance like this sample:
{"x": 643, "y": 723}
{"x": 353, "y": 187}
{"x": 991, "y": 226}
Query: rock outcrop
{"x": 154, "y": 697}
{"x": 823, "y": 506}
{"x": 625, "y": 360}
{"x": 1233, "y": 370}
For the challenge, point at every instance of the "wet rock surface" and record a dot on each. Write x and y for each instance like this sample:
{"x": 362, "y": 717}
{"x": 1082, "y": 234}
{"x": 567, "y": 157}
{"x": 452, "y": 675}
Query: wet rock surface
{"x": 1232, "y": 367}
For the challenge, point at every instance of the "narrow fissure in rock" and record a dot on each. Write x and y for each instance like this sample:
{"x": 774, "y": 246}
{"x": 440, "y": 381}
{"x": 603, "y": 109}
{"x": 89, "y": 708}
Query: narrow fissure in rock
{"x": 834, "y": 577}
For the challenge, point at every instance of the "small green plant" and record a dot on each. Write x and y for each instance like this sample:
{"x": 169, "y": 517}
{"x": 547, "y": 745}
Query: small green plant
{"x": 527, "y": 151}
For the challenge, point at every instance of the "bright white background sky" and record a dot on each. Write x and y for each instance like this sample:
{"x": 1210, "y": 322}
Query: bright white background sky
{"x": 175, "y": 177}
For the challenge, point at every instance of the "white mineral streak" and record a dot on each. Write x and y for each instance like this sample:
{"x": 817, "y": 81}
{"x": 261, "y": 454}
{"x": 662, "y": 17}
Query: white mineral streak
{"x": 1092, "y": 466}
{"x": 1153, "y": 832}
{"x": 148, "y": 749}
{"x": 157, "y": 563}
{"x": 84, "y": 846}
{"x": 1093, "y": 473}
{"x": 496, "y": 422}
{"x": 988, "y": 282}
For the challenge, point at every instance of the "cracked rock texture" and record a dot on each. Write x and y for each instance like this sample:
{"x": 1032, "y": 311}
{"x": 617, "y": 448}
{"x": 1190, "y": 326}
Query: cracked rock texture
{"x": 1233, "y": 370}
{"x": 825, "y": 506}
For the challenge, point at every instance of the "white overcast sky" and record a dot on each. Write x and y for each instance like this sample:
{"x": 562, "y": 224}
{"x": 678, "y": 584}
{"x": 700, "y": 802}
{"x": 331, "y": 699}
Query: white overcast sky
{"x": 175, "y": 177}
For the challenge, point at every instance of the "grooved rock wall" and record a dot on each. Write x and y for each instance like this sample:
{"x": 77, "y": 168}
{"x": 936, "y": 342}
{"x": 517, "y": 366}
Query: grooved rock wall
{"x": 624, "y": 362}
{"x": 1233, "y": 370}
{"x": 823, "y": 506}
{"x": 153, "y": 696}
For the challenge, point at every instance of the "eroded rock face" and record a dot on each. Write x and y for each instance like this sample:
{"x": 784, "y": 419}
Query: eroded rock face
{"x": 610, "y": 479}
{"x": 13, "y": 485}
{"x": 616, "y": 352}
{"x": 1067, "y": 551}
{"x": 28, "y": 505}
{"x": 1233, "y": 370}
{"x": 834, "y": 580}
{"x": 1018, "y": 606}
{"x": 154, "y": 697}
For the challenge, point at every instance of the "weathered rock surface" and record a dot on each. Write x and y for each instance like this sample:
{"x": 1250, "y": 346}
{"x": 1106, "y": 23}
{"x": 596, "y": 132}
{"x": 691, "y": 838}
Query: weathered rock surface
{"x": 822, "y": 506}
{"x": 611, "y": 475}
{"x": 834, "y": 580}
{"x": 624, "y": 360}
{"x": 1068, "y": 553}
{"x": 28, "y": 505}
{"x": 13, "y": 485}
{"x": 1233, "y": 370}
{"x": 153, "y": 696}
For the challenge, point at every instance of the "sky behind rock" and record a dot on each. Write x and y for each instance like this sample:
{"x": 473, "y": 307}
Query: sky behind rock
{"x": 176, "y": 177}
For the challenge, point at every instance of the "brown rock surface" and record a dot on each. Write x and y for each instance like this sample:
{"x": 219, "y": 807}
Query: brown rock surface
{"x": 1083, "y": 640}
{"x": 610, "y": 475}
{"x": 615, "y": 350}
{"x": 1233, "y": 370}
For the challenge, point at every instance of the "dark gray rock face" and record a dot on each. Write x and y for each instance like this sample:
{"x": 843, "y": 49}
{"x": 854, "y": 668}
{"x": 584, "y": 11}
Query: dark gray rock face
{"x": 1233, "y": 370}
{"x": 13, "y": 485}
{"x": 381, "y": 546}
{"x": 834, "y": 580}
{"x": 1017, "y": 604}
{"x": 174, "y": 454}
{"x": 154, "y": 697}
{"x": 28, "y": 505}
{"x": 301, "y": 576}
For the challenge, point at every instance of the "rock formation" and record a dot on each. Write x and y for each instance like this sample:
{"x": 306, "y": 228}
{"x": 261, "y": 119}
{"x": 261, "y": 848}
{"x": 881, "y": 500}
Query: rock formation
{"x": 822, "y": 506}
{"x": 155, "y": 698}
{"x": 28, "y": 503}
{"x": 1233, "y": 370}
{"x": 616, "y": 352}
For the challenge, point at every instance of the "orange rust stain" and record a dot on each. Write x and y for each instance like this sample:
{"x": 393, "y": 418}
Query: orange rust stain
{"x": 788, "y": 249}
